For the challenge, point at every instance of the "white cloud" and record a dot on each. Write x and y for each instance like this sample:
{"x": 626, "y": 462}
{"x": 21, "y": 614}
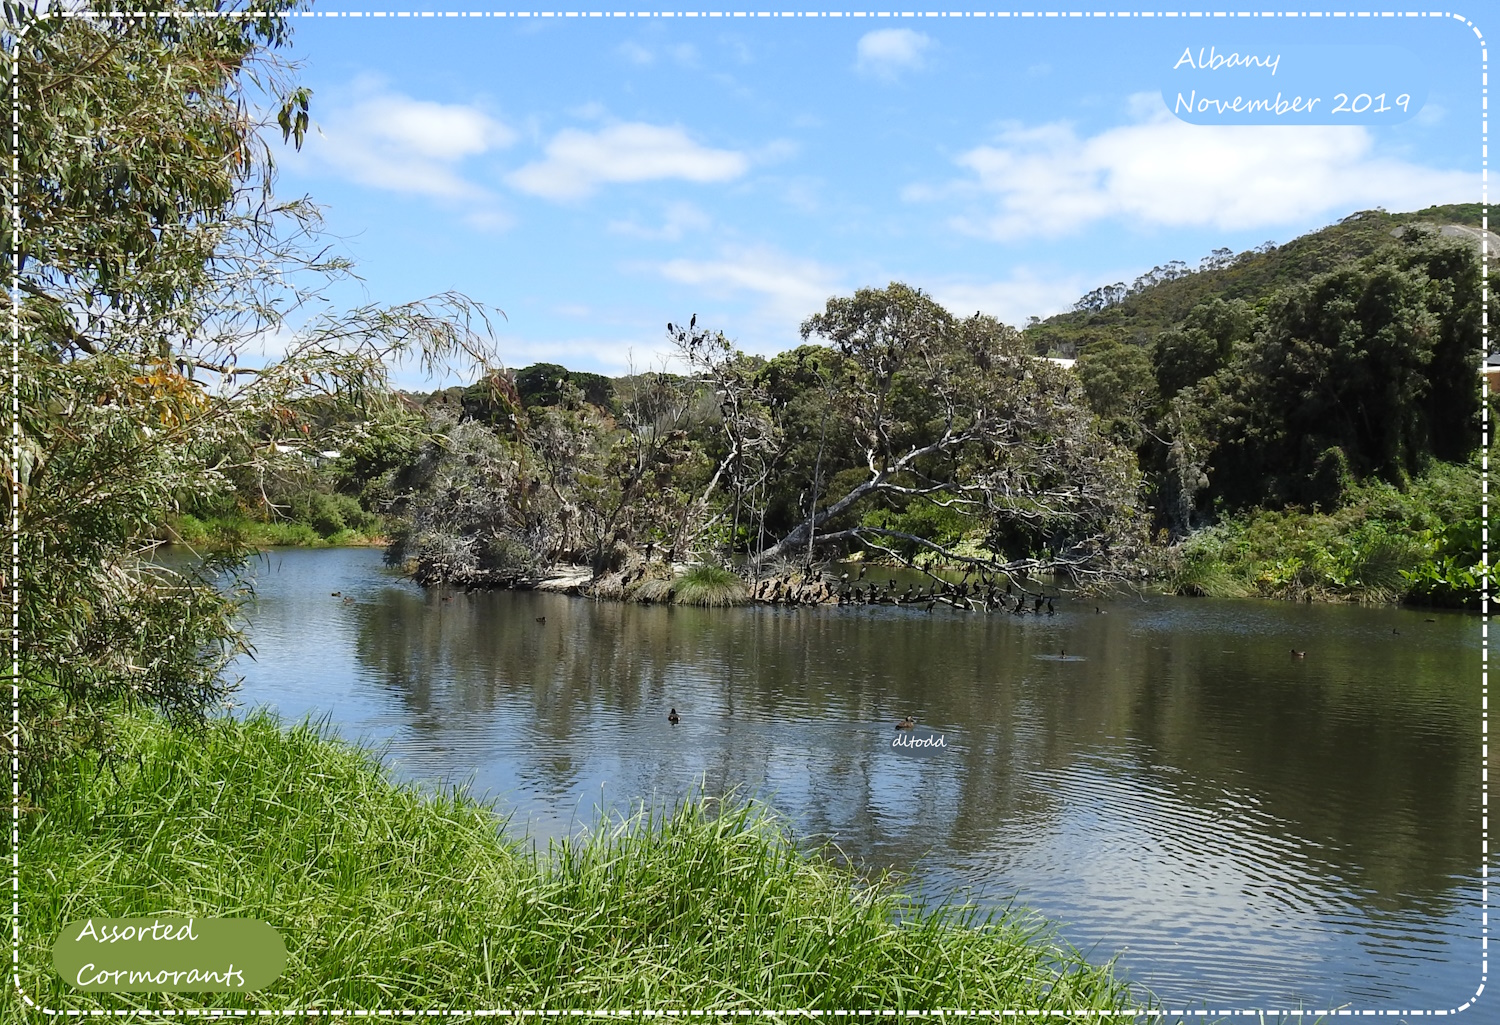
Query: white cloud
{"x": 390, "y": 141}
{"x": 578, "y": 162}
{"x": 684, "y": 54}
{"x": 681, "y": 218}
{"x": 1162, "y": 171}
{"x": 1431, "y": 114}
{"x": 789, "y": 290}
{"x": 887, "y": 52}
{"x": 606, "y": 354}
{"x": 1011, "y": 301}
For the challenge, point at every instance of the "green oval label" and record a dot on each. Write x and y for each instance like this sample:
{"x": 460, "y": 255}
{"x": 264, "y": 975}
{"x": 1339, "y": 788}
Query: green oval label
{"x": 169, "y": 955}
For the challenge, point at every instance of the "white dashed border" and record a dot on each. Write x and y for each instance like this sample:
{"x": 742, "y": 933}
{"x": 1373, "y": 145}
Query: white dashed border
{"x": 15, "y": 510}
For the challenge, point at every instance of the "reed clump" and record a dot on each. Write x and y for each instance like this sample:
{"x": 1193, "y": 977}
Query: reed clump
{"x": 392, "y": 898}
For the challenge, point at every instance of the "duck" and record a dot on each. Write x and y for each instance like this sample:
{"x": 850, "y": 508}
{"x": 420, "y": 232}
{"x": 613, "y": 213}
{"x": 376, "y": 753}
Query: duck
{"x": 541, "y": 619}
{"x": 1298, "y": 654}
{"x": 909, "y": 723}
{"x": 673, "y": 717}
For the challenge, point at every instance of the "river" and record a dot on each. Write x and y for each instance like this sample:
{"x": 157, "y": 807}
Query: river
{"x": 1161, "y": 778}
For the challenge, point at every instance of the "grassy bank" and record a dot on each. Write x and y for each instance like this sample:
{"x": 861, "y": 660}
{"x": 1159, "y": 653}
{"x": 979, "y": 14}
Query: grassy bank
{"x": 1418, "y": 545}
{"x": 221, "y": 530}
{"x": 390, "y": 898}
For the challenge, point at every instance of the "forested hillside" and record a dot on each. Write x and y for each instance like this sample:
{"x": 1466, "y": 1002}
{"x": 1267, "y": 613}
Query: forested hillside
{"x": 1162, "y": 297}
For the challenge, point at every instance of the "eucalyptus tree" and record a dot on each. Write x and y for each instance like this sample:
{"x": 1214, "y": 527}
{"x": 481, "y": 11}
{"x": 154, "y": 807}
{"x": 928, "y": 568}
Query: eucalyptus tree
{"x": 926, "y": 407}
{"x": 150, "y": 257}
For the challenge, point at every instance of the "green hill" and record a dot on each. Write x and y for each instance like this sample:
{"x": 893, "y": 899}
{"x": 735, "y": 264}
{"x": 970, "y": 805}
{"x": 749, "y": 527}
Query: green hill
{"x": 1252, "y": 275}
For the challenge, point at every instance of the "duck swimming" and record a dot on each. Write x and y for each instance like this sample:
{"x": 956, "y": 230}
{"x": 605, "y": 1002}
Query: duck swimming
{"x": 673, "y": 717}
{"x": 910, "y": 722}
{"x": 1298, "y": 654}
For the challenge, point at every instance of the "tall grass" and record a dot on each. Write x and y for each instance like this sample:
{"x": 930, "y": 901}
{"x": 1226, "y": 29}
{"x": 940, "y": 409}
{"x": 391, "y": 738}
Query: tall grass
{"x": 388, "y": 898}
{"x": 710, "y": 586}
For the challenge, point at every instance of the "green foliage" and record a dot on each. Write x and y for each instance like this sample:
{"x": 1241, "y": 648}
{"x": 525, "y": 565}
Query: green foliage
{"x": 942, "y": 525}
{"x": 1350, "y": 376}
{"x": 150, "y": 253}
{"x": 545, "y": 384}
{"x": 1384, "y": 544}
{"x": 373, "y": 454}
{"x": 1202, "y": 345}
{"x": 331, "y": 514}
{"x": 133, "y": 156}
{"x": 389, "y": 898}
{"x": 1250, "y": 276}
{"x": 1120, "y": 387}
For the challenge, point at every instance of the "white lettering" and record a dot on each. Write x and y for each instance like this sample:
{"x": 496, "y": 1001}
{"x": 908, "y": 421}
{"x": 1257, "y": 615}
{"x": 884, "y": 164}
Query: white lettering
{"x": 1214, "y": 60}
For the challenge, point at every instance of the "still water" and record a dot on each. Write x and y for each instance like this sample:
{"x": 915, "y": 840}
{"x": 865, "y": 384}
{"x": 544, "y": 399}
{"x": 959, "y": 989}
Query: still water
{"x": 1160, "y": 778}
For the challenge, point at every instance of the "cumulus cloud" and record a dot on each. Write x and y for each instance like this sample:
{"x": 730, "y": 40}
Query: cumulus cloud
{"x": 1047, "y": 180}
{"x": 390, "y": 141}
{"x": 578, "y": 162}
{"x": 887, "y": 52}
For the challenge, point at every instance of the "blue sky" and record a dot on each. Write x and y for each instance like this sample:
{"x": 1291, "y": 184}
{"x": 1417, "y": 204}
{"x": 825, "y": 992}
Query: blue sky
{"x": 595, "y": 178}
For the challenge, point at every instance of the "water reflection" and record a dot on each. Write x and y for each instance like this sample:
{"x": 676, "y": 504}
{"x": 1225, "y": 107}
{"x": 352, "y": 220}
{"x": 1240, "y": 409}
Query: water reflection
{"x": 1251, "y": 829}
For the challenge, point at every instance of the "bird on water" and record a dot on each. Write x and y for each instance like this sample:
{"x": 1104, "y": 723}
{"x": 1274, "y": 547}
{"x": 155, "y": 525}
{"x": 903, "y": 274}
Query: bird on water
{"x": 909, "y": 723}
{"x": 673, "y": 717}
{"x": 1298, "y": 654}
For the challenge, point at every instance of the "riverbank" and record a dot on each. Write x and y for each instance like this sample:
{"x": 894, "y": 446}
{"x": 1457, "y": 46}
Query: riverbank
{"x": 393, "y": 899}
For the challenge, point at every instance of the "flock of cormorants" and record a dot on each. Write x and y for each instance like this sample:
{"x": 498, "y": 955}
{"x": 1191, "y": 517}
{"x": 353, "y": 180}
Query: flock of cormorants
{"x": 984, "y": 594}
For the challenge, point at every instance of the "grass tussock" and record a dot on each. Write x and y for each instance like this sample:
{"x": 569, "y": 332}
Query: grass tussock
{"x": 653, "y": 590}
{"x": 390, "y": 898}
{"x": 703, "y": 585}
{"x": 708, "y": 585}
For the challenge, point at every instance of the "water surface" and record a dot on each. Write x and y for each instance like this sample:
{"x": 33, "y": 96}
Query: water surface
{"x": 1161, "y": 777}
